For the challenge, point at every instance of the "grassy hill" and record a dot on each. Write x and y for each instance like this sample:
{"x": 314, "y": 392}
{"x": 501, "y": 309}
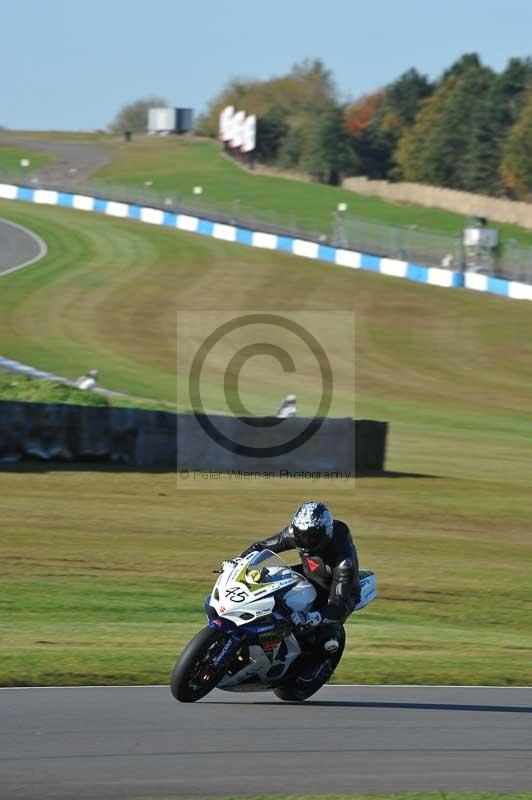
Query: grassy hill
{"x": 176, "y": 165}
{"x": 104, "y": 571}
{"x": 108, "y": 292}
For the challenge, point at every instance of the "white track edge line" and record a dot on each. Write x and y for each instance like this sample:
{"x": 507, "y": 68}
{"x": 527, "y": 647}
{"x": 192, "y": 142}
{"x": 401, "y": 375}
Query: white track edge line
{"x": 43, "y": 249}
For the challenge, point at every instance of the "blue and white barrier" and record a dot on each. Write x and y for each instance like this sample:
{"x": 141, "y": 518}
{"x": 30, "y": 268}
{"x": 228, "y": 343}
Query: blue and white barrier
{"x": 435, "y": 276}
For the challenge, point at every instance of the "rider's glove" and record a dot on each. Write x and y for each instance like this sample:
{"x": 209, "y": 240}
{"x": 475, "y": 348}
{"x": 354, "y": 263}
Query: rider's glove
{"x": 303, "y": 620}
{"x": 252, "y": 549}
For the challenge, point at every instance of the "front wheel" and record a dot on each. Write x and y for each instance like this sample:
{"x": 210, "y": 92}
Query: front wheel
{"x": 194, "y": 674}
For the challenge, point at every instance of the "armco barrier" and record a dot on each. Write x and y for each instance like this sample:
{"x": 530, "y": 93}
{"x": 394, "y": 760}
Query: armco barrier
{"x": 435, "y": 276}
{"x": 62, "y": 432}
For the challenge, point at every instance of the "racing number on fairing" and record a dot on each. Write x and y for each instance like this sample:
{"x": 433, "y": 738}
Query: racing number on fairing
{"x": 236, "y": 594}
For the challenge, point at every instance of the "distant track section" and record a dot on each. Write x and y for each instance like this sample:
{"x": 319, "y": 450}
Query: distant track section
{"x": 19, "y": 247}
{"x": 75, "y": 161}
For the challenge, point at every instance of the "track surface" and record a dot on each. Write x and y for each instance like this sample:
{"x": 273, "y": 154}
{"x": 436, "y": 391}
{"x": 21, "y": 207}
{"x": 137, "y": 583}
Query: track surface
{"x": 138, "y": 742}
{"x": 19, "y": 247}
{"x": 75, "y": 160}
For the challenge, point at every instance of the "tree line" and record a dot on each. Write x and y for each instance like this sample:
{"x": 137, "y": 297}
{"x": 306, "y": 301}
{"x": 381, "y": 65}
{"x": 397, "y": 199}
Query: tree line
{"x": 470, "y": 129}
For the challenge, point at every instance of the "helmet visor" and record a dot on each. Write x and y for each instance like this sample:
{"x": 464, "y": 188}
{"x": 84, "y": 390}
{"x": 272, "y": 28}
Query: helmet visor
{"x": 310, "y": 539}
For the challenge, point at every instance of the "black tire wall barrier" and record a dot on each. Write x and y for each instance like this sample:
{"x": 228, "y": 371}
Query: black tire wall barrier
{"x": 135, "y": 437}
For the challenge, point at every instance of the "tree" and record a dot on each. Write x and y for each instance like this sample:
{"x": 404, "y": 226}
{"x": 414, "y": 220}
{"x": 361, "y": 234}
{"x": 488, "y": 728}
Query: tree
{"x": 295, "y": 145}
{"x": 413, "y": 156}
{"x": 451, "y": 142}
{"x": 516, "y": 166}
{"x": 307, "y": 88}
{"x": 329, "y": 155}
{"x": 510, "y": 92}
{"x": 506, "y": 101}
{"x": 289, "y": 112}
{"x": 272, "y": 129}
{"x": 315, "y": 84}
{"x": 463, "y": 64}
{"x": 369, "y": 143}
{"x": 377, "y": 121}
{"x": 134, "y": 116}
{"x": 360, "y": 113}
{"x": 404, "y": 95}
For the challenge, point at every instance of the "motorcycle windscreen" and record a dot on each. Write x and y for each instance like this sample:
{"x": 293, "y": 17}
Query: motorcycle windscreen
{"x": 265, "y": 568}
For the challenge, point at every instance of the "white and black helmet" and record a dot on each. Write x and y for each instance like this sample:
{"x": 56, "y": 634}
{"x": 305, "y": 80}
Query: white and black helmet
{"x": 312, "y": 527}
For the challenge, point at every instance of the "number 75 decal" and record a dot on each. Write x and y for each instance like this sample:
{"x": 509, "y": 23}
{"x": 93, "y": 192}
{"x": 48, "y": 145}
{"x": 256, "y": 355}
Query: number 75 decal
{"x": 236, "y": 594}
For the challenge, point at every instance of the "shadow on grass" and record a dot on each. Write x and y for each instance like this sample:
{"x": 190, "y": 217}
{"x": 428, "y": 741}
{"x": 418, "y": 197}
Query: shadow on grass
{"x": 392, "y": 474}
{"x": 80, "y": 466}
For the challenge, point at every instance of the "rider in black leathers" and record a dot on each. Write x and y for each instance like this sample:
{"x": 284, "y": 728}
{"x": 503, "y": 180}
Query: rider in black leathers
{"x": 329, "y": 561}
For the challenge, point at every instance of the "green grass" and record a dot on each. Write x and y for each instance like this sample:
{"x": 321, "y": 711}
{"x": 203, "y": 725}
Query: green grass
{"x": 32, "y": 390}
{"x": 177, "y": 165}
{"x": 10, "y": 158}
{"x": 104, "y": 572}
{"x": 450, "y": 362}
{"x": 14, "y": 386}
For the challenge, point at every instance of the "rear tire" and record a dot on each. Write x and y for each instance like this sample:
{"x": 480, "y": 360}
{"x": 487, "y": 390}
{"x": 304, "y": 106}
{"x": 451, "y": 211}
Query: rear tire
{"x": 290, "y": 692}
{"x": 194, "y": 675}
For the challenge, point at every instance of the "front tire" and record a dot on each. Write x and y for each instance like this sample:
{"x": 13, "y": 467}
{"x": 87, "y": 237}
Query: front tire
{"x": 194, "y": 675}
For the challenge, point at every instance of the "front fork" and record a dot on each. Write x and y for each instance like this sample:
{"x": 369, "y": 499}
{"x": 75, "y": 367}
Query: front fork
{"x": 225, "y": 656}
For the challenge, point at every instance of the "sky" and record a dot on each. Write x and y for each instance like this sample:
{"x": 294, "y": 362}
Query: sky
{"x": 72, "y": 64}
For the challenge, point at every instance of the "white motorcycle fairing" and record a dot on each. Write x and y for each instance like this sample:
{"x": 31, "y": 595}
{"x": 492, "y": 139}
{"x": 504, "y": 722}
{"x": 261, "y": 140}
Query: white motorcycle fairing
{"x": 244, "y": 594}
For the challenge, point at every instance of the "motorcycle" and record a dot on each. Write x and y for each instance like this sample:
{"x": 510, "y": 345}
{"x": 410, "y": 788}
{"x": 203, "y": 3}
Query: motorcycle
{"x": 250, "y": 643}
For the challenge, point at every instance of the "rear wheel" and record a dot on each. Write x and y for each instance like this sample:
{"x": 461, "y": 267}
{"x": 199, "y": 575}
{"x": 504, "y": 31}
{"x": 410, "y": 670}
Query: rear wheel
{"x": 194, "y": 674}
{"x": 296, "y": 691}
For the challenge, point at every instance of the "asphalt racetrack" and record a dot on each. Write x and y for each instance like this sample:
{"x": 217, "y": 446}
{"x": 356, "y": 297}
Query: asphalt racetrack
{"x": 96, "y": 742}
{"x": 19, "y": 247}
{"x": 75, "y": 161}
